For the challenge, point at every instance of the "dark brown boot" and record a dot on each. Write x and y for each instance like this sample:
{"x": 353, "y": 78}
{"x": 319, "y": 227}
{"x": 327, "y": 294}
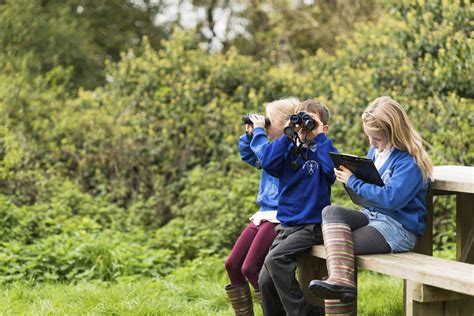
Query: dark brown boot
{"x": 240, "y": 299}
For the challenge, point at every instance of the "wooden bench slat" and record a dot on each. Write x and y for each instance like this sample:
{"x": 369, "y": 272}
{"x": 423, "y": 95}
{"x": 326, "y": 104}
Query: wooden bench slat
{"x": 464, "y": 268}
{"x": 453, "y": 178}
{"x": 459, "y": 269}
{"x": 437, "y": 262}
{"x": 432, "y": 276}
{"x": 418, "y": 268}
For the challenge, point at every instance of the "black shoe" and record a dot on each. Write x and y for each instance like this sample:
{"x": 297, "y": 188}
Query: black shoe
{"x": 325, "y": 290}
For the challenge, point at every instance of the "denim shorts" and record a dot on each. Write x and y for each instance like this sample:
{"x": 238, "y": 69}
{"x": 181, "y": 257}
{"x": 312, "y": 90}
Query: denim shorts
{"x": 398, "y": 238}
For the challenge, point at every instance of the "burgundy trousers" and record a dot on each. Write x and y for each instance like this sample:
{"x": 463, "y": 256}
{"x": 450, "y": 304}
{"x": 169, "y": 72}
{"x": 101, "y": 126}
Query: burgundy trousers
{"x": 249, "y": 252}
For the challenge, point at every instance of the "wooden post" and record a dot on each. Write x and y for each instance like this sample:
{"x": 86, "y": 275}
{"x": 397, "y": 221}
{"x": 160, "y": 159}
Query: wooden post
{"x": 425, "y": 300}
{"x": 310, "y": 268}
{"x": 465, "y": 227}
{"x": 414, "y": 308}
{"x": 424, "y": 245}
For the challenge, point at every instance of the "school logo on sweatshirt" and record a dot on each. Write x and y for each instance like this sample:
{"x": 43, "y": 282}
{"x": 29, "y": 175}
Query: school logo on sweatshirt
{"x": 311, "y": 166}
{"x": 386, "y": 177}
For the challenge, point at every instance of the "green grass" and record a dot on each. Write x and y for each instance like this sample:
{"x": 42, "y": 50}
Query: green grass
{"x": 196, "y": 289}
{"x": 379, "y": 294}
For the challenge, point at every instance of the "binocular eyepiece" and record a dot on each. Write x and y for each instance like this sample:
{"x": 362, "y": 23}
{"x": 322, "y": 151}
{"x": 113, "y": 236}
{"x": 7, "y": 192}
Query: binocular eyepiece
{"x": 304, "y": 120}
{"x": 246, "y": 120}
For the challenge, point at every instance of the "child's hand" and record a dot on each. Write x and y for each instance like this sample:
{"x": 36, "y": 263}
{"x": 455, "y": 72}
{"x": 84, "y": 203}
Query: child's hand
{"x": 342, "y": 174}
{"x": 320, "y": 128}
{"x": 248, "y": 129}
{"x": 295, "y": 128}
{"x": 257, "y": 120}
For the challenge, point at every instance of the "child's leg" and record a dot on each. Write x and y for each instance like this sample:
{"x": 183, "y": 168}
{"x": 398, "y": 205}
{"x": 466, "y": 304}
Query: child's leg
{"x": 338, "y": 308}
{"x": 258, "y": 251}
{"x": 338, "y": 222}
{"x": 271, "y": 303}
{"x": 367, "y": 240}
{"x": 336, "y": 214}
{"x": 279, "y": 285}
{"x": 234, "y": 262}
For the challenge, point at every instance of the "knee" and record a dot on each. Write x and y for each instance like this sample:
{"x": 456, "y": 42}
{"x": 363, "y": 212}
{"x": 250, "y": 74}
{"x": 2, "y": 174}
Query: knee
{"x": 231, "y": 266}
{"x": 331, "y": 213}
{"x": 250, "y": 271}
{"x": 275, "y": 263}
{"x": 269, "y": 261}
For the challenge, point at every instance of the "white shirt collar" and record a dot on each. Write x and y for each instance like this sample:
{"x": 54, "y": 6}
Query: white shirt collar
{"x": 381, "y": 158}
{"x": 384, "y": 153}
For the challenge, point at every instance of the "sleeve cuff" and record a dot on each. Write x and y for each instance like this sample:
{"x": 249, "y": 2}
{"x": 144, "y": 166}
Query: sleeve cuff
{"x": 351, "y": 180}
{"x": 259, "y": 131}
{"x": 246, "y": 137}
{"x": 285, "y": 140}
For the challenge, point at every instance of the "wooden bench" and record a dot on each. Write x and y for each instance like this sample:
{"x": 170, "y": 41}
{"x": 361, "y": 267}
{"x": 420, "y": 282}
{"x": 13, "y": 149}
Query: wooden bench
{"x": 432, "y": 286}
{"x": 430, "y": 281}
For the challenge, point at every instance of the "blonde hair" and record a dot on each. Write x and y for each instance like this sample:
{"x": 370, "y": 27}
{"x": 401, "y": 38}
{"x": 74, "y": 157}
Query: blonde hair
{"x": 387, "y": 116}
{"x": 279, "y": 111}
{"x": 315, "y": 106}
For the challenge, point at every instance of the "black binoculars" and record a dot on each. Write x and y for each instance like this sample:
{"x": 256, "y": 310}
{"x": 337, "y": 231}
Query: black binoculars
{"x": 304, "y": 120}
{"x": 246, "y": 120}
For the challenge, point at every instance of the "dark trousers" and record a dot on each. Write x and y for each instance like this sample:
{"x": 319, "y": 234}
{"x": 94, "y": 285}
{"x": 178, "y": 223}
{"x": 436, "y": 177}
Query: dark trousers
{"x": 281, "y": 292}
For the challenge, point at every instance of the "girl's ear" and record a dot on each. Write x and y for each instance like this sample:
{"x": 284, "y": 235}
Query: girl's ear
{"x": 325, "y": 128}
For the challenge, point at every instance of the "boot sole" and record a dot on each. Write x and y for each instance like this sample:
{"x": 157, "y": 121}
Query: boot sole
{"x": 330, "y": 291}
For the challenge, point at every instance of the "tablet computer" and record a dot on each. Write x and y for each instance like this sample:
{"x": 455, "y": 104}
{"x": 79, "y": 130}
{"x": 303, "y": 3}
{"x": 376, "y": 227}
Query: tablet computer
{"x": 363, "y": 168}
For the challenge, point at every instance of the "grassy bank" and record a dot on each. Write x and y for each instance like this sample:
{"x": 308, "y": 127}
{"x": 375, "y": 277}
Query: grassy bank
{"x": 196, "y": 289}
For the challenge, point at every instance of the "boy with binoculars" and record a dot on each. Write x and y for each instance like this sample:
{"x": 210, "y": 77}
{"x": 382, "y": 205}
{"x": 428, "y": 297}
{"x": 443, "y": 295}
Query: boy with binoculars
{"x": 300, "y": 160}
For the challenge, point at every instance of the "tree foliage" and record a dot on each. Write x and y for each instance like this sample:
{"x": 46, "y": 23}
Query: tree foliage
{"x": 142, "y": 173}
{"x": 40, "y": 35}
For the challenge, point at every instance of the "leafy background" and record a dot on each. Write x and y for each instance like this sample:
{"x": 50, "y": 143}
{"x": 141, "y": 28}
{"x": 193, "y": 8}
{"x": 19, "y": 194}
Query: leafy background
{"x": 118, "y": 136}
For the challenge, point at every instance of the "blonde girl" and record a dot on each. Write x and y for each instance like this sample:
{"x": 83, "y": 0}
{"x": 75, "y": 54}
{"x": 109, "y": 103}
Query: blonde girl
{"x": 395, "y": 214}
{"x": 246, "y": 259}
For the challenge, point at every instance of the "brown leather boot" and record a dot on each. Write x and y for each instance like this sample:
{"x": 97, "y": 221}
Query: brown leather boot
{"x": 240, "y": 299}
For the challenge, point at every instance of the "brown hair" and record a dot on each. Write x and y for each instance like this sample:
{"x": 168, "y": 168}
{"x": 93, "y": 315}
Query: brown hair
{"x": 315, "y": 106}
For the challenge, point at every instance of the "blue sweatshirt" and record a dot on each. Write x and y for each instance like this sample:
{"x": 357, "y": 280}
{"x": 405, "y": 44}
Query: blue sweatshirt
{"x": 304, "y": 192}
{"x": 251, "y": 150}
{"x": 402, "y": 197}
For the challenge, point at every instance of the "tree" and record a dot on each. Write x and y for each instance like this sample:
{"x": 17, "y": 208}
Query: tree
{"x": 281, "y": 29}
{"x": 41, "y": 34}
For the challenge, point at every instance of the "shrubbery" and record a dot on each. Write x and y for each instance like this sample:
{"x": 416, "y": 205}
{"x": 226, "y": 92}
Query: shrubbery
{"x": 142, "y": 174}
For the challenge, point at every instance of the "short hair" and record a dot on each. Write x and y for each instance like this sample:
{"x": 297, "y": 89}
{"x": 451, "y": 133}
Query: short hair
{"x": 280, "y": 110}
{"x": 315, "y": 106}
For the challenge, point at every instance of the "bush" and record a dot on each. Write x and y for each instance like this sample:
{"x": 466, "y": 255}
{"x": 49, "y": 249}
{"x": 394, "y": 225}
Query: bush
{"x": 142, "y": 174}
